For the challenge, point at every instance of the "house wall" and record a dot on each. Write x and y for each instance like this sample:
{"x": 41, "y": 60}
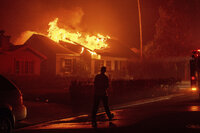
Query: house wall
{"x": 85, "y": 66}
{"x": 6, "y": 64}
{"x": 116, "y": 67}
{"x": 22, "y": 62}
{"x": 48, "y": 66}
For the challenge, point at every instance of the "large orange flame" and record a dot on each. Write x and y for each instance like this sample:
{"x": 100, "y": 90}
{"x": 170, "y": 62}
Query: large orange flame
{"x": 91, "y": 42}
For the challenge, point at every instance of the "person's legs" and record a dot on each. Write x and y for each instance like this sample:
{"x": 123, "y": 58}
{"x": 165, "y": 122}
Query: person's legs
{"x": 105, "y": 103}
{"x": 95, "y": 108}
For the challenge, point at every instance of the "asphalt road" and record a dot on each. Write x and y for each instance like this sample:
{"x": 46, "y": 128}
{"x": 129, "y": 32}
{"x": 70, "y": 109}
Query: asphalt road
{"x": 173, "y": 113}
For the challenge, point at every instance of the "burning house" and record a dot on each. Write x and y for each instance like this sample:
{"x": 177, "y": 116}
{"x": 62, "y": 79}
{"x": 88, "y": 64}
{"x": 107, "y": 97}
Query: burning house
{"x": 42, "y": 56}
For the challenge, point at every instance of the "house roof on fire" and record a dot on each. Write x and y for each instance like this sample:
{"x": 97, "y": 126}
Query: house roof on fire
{"x": 117, "y": 49}
{"x": 44, "y": 45}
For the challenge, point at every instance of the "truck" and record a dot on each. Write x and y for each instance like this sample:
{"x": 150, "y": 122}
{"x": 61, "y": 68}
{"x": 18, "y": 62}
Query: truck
{"x": 195, "y": 70}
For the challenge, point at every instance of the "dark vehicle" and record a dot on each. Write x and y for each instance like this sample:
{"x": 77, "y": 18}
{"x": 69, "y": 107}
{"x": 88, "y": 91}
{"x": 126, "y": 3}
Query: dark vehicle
{"x": 195, "y": 70}
{"x": 12, "y": 108}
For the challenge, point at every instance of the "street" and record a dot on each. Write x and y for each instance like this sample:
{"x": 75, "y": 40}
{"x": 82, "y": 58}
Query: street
{"x": 173, "y": 113}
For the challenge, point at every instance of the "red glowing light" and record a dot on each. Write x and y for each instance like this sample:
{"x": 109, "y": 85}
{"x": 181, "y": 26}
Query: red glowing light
{"x": 193, "y": 78}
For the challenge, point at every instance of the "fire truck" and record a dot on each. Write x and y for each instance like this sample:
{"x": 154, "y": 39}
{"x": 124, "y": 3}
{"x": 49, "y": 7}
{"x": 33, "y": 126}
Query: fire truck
{"x": 195, "y": 70}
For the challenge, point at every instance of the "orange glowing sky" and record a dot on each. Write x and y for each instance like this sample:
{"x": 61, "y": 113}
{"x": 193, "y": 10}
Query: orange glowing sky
{"x": 107, "y": 17}
{"x": 115, "y": 18}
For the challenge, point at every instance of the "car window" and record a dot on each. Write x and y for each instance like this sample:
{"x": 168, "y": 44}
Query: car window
{"x": 5, "y": 84}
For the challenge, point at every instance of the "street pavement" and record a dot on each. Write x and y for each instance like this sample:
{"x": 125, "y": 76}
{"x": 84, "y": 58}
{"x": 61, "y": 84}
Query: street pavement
{"x": 173, "y": 113}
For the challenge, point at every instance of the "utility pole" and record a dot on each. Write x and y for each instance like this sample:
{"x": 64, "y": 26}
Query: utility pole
{"x": 140, "y": 24}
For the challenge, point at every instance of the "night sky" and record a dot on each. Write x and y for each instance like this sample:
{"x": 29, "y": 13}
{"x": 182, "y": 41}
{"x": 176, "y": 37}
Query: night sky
{"x": 116, "y": 18}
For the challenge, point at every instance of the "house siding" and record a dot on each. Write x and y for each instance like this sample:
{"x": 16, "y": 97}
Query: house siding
{"x": 28, "y": 63}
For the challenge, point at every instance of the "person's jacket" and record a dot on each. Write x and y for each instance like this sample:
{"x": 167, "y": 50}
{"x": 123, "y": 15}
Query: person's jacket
{"x": 101, "y": 84}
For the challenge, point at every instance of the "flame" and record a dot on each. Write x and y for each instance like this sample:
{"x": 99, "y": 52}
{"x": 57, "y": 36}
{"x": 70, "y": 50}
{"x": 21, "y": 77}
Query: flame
{"x": 91, "y": 42}
{"x": 94, "y": 54}
{"x": 56, "y": 34}
{"x": 82, "y": 50}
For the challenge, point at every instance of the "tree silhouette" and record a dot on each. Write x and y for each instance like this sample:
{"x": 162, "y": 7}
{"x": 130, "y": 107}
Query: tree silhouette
{"x": 172, "y": 31}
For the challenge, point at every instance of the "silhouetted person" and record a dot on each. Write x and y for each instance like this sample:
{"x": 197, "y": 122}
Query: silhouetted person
{"x": 101, "y": 84}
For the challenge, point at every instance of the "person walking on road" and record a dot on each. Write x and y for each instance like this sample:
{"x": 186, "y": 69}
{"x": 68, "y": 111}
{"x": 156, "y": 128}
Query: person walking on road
{"x": 101, "y": 84}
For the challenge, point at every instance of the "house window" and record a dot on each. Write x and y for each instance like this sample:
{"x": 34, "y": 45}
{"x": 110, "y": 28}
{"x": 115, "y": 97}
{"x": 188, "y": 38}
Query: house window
{"x": 31, "y": 67}
{"x": 68, "y": 65}
{"x": 108, "y": 65}
{"x": 98, "y": 65}
{"x": 122, "y": 65}
{"x": 24, "y": 67}
{"x": 17, "y": 67}
{"x": 116, "y": 65}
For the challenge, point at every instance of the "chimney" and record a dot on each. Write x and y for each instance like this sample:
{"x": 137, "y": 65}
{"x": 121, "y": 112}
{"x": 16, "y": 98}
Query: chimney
{"x": 2, "y": 32}
{"x": 4, "y": 41}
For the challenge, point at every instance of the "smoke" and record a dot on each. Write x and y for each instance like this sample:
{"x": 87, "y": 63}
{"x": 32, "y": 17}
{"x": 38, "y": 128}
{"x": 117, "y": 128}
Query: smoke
{"x": 68, "y": 19}
{"x": 74, "y": 17}
{"x": 24, "y": 36}
{"x": 114, "y": 18}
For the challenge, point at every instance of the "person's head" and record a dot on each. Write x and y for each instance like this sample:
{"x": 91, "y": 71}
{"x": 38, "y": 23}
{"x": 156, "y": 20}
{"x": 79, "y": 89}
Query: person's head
{"x": 103, "y": 69}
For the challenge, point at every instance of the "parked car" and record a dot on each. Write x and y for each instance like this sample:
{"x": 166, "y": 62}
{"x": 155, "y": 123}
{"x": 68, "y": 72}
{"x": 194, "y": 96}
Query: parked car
{"x": 12, "y": 108}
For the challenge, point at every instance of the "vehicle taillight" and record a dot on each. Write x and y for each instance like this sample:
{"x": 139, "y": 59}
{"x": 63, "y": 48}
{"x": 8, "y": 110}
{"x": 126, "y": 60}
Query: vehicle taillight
{"x": 193, "y": 77}
{"x": 21, "y": 99}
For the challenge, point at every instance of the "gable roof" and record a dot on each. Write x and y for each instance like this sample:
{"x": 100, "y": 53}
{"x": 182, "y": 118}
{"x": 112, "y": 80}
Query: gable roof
{"x": 45, "y": 45}
{"x": 115, "y": 49}
{"x": 20, "y": 48}
{"x": 14, "y": 47}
